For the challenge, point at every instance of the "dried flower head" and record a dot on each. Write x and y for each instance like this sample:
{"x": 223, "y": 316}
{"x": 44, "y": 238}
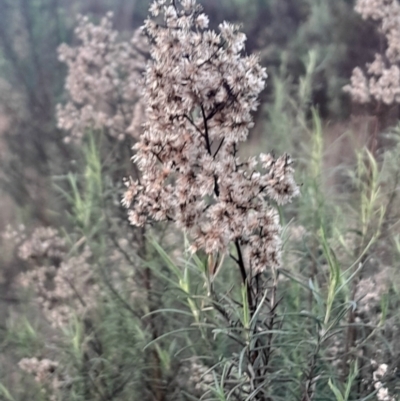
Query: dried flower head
{"x": 200, "y": 90}
{"x": 103, "y": 82}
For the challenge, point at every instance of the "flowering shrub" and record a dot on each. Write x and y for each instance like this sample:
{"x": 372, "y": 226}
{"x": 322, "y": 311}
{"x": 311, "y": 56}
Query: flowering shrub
{"x": 199, "y": 91}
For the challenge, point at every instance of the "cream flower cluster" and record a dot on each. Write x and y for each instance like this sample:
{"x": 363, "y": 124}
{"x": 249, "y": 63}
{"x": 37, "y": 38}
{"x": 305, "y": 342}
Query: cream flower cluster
{"x": 103, "y": 82}
{"x": 45, "y": 372}
{"x": 44, "y": 242}
{"x": 378, "y": 375}
{"x": 41, "y": 368}
{"x": 199, "y": 92}
{"x": 381, "y": 81}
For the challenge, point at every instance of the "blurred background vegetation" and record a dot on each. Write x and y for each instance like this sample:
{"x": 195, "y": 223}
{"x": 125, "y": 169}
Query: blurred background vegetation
{"x": 310, "y": 48}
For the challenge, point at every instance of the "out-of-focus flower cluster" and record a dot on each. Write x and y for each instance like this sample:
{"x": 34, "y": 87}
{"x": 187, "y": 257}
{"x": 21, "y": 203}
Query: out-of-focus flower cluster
{"x": 378, "y": 376}
{"x": 370, "y": 291}
{"x": 199, "y": 93}
{"x": 103, "y": 82}
{"x": 43, "y": 370}
{"x": 196, "y": 376}
{"x": 381, "y": 81}
{"x": 64, "y": 285}
{"x": 199, "y": 378}
{"x": 45, "y": 242}
{"x": 14, "y": 235}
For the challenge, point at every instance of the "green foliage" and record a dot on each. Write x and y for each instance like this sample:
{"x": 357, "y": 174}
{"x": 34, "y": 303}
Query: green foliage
{"x": 85, "y": 194}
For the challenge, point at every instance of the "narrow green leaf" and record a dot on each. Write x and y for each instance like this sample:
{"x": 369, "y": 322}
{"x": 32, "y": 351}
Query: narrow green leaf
{"x": 335, "y": 391}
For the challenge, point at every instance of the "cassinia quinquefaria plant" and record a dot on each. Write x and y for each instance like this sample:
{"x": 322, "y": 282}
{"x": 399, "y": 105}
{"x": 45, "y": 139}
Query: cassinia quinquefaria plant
{"x": 199, "y": 93}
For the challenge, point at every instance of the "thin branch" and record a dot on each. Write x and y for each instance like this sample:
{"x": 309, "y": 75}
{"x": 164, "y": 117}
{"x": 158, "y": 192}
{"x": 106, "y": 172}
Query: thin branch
{"x": 206, "y": 130}
{"x": 194, "y": 125}
{"x": 219, "y": 147}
